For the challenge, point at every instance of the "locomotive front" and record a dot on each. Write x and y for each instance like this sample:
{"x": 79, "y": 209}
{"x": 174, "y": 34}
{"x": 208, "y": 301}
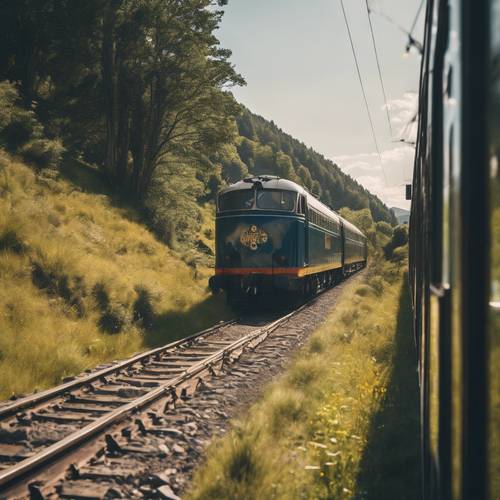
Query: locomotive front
{"x": 259, "y": 237}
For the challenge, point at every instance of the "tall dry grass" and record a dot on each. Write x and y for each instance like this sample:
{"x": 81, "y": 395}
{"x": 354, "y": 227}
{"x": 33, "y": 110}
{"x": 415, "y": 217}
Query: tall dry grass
{"x": 82, "y": 281}
{"x": 310, "y": 435}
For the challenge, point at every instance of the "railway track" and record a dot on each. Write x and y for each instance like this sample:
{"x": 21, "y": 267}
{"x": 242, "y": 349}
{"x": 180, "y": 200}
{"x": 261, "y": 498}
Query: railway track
{"x": 41, "y": 435}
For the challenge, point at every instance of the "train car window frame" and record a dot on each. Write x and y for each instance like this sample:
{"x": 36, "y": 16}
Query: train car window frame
{"x": 328, "y": 241}
{"x": 302, "y": 205}
{"x": 291, "y": 195}
{"x": 241, "y": 194}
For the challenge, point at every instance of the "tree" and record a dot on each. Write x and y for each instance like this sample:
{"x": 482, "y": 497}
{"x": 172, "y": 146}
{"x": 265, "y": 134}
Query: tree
{"x": 167, "y": 94}
{"x": 139, "y": 80}
{"x": 305, "y": 176}
{"x": 399, "y": 239}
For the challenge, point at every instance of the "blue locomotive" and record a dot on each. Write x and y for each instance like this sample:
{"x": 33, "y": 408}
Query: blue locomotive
{"x": 273, "y": 234}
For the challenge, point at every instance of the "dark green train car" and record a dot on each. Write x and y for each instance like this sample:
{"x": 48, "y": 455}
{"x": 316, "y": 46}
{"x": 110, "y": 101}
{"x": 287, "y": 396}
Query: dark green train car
{"x": 273, "y": 234}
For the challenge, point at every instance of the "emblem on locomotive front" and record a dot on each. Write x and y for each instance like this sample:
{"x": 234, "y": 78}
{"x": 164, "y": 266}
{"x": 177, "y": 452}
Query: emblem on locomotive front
{"x": 253, "y": 237}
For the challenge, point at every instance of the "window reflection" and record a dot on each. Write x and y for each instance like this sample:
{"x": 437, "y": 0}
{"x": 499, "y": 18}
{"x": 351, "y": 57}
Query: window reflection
{"x": 236, "y": 200}
{"x": 494, "y": 325}
{"x": 273, "y": 199}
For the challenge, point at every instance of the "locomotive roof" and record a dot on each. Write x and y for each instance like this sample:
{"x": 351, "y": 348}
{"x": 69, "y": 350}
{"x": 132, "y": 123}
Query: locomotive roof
{"x": 268, "y": 182}
{"x": 274, "y": 182}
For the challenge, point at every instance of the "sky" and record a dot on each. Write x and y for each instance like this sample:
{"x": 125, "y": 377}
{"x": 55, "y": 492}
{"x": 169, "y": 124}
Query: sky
{"x": 297, "y": 61}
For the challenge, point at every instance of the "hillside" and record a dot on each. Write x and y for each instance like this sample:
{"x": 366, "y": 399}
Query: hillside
{"x": 83, "y": 281}
{"x": 262, "y": 147}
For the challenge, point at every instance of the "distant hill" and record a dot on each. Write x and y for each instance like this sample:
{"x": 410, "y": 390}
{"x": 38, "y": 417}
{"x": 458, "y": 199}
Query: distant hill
{"x": 402, "y": 215}
{"x": 263, "y": 148}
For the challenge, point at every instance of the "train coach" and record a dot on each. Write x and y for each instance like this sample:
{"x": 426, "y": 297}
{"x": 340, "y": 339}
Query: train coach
{"x": 455, "y": 250}
{"x": 273, "y": 234}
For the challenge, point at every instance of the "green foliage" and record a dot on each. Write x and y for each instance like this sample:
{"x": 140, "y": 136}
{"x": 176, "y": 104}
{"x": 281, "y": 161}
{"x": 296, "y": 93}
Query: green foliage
{"x": 384, "y": 228}
{"x": 21, "y": 132}
{"x": 17, "y": 124}
{"x": 8, "y": 100}
{"x": 43, "y": 153}
{"x": 233, "y": 168}
{"x": 141, "y": 89}
{"x": 172, "y": 203}
{"x": 125, "y": 83}
{"x": 399, "y": 239}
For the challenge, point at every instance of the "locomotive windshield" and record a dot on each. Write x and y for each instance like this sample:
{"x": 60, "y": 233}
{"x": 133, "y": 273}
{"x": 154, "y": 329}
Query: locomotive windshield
{"x": 267, "y": 199}
{"x": 237, "y": 200}
{"x": 275, "y": 199}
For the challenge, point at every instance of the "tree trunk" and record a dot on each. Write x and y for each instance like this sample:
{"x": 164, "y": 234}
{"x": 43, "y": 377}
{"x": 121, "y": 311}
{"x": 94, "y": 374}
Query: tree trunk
{"x": 109, "y": 83}
{"x": 137, "y": 145}
{"x": 123, "y": 129}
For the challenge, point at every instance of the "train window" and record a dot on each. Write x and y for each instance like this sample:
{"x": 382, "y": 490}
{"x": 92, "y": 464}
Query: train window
{"x": 302, "y": 205}
{"x": 237, "y": 200}
{"x": 494, "y": 323}
{"x": 275, "y": 199}
{"x": 493, "y": 372}
{"x": 328, "y": 242}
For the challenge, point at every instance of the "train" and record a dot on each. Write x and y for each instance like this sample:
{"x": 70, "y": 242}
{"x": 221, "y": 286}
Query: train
{"x": 272, "y": 234}
{"x": 455, "y": 250}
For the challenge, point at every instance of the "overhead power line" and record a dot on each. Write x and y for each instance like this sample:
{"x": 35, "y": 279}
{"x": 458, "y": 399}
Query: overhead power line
{"x": 363, "y": 89}
{"x": 412, "y": 42}
{"x": 417, "y": 15}
{"x": 387, "y": 110}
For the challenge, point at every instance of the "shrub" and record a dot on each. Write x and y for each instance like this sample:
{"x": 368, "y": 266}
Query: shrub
{"x": 11, "y": 233}
{"x": 304, "y": 373}
{"x": 21, "y": 132}
{"x": 384, "y": 227}
{"x": 43, "y": 153}
{"x": 143, "y": 308}
{"x": 377, "y": 283}
{"x": 101, "y": 296}
{"x": 17, "y": 124}
{"x": 399, "y": 254}
{"x": 8, "y": 98}
{"x": 22, "y": 128}
{"x": 363, "y": 290}
{"x": 243, "y": 464}
{"x": 286, "y": 406}
{"x": 316, "y": 345}
{"x": 114, "y": 319}
{"x": 399, "y": 239}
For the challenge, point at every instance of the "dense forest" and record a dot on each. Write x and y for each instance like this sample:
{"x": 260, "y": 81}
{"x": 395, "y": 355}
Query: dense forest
{"x": 141, "y": 90}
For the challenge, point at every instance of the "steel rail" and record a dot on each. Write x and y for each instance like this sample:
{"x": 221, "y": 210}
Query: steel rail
{"x": 33, "y": 400}
{"x": 70, "y": 442}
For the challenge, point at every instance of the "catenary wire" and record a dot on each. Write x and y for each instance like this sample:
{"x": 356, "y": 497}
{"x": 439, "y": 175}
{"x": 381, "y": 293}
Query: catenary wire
{"x": 417, "y": 15}
{"x": 363, "y": 89}
{"x": 412, "y": 42}
{"x": 387, "y": 110}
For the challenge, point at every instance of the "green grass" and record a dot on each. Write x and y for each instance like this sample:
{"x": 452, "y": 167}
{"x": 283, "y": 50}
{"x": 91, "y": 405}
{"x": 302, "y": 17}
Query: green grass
{"x": 342, "y": 421}
{"x": 83, "y": 281}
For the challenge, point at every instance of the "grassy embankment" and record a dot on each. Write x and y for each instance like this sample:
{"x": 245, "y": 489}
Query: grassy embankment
{"x": 83, "y": 281}
{"x": 342, "y": 422}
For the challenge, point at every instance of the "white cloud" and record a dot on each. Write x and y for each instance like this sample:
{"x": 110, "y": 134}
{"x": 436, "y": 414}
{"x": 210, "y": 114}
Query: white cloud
{"x": 388, "y": 183}
{"x": 365, "y": 168}
{"x": 403, "y": 113}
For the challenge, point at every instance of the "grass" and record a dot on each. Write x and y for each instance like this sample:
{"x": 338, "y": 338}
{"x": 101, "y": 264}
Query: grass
{"x": 342, "y": 421}
{"x": 83, "y": 281}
